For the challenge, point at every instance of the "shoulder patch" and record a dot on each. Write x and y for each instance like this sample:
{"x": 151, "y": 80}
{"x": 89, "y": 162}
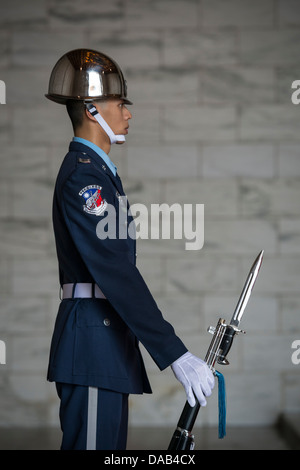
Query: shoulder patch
{"x": 84, "y": 160}
{"x": 94, "y": 204}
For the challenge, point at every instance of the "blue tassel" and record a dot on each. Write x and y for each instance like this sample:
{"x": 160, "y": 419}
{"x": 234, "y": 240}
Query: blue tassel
{"x": 222, "y": 405}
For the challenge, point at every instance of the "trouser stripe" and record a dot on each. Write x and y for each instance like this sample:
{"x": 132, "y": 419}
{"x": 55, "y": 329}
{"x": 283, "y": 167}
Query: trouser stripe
{"x": 92, "y": 418}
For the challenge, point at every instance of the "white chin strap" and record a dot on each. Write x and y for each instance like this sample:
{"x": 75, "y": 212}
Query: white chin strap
{"x": 112, "y": 137}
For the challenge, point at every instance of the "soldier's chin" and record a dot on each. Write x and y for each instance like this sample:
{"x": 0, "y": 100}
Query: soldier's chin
{"x": 120, "y": 142}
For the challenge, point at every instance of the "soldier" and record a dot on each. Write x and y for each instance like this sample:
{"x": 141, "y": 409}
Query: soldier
{"x": 106, "y": 307}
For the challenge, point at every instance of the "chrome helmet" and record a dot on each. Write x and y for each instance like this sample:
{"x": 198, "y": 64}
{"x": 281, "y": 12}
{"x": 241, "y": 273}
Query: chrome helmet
{"x": 87, "y": 75}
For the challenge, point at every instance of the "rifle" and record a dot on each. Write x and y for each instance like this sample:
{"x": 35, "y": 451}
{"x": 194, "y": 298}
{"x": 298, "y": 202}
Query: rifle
{"x": 221, "y": 342}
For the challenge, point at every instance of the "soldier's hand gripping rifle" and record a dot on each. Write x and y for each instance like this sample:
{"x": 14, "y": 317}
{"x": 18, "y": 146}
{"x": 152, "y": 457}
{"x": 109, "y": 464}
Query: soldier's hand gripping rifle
{"x": 219, "y": 347}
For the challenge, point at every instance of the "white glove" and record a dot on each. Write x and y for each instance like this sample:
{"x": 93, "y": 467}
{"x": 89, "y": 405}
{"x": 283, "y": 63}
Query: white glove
{"x": 195, "y": 376}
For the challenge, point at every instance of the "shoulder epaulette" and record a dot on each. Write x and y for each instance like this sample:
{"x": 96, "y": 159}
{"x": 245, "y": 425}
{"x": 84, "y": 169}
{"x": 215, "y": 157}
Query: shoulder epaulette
{"x": 84, "y": 160}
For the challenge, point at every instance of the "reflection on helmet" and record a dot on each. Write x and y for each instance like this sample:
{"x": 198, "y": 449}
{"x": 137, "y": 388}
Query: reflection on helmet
{"x": 86, "y": 75}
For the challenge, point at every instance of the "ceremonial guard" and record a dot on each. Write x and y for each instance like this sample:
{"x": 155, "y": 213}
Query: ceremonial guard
{"x": 106, "y": 307}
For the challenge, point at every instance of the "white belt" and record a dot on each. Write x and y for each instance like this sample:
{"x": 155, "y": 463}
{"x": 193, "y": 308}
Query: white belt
{"x": 85, "y": 290}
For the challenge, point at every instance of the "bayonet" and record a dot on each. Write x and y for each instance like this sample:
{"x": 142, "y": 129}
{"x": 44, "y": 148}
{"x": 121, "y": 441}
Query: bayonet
{"x": 232, "y": 329}
{"x": 246, "y": 292}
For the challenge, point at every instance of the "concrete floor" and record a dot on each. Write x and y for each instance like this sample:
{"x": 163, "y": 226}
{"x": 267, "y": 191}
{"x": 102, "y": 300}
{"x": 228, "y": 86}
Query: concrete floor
{"x": 256, "y": 438}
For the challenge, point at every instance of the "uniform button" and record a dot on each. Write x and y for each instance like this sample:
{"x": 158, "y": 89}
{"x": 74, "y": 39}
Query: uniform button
{"x": 106, "y": 322}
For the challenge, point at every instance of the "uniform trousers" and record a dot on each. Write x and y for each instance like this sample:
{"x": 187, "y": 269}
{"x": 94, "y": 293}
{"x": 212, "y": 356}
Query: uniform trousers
{"x": 92, "y": 418}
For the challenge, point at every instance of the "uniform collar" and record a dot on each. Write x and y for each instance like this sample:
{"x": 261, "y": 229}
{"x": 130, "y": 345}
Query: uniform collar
{"x": 99, "y": 151}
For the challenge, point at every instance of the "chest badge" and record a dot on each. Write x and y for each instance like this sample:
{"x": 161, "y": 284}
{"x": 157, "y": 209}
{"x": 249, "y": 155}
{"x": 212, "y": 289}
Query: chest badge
{"x": 94, "y": 204}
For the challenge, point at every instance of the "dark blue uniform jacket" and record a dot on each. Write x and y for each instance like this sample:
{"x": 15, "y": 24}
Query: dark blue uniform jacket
{"x": 85, "y": 349}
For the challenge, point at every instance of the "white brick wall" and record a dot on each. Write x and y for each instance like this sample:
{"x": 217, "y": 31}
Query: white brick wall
{"x": 213, "y": 124}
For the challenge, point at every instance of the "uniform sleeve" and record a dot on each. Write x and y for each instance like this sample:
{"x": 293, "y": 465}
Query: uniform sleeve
{"x": 109, "y": 262}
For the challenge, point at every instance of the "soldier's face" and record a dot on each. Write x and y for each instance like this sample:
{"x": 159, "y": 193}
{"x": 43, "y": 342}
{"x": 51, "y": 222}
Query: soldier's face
{"x": 116, "y": 115}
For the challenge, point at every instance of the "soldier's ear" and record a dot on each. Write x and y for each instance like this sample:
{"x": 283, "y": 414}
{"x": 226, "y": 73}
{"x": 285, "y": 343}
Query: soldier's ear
{"x": 89, "y": 115}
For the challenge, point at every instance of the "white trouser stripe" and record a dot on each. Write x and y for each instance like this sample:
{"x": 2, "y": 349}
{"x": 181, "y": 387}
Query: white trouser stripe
{"x": 92, "y": 419}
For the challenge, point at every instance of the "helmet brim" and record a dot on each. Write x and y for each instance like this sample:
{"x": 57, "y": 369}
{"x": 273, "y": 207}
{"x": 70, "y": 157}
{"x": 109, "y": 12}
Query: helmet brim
{"x": 63, "y": 99}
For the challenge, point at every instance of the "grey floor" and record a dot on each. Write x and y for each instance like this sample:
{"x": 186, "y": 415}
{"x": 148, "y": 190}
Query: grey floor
{"x": 155, "y": 439}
